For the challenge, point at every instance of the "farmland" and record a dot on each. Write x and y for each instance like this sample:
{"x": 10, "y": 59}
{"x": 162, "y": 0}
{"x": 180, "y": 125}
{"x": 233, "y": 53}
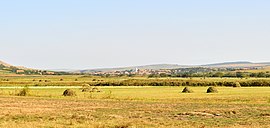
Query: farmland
{"x": 79, "y": 80}
{"x": 131, "y": 106}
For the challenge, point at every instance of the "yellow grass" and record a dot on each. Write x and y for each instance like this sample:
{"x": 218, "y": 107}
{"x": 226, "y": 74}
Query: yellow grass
{"x": 136, "y": 107}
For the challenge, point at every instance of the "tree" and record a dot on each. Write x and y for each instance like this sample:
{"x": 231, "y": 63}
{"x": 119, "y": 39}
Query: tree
{"x": 218, "y": 74}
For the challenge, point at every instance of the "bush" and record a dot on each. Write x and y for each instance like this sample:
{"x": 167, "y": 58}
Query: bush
{"x": 212, "y": 90}
{"x": 187, "y": 90}
{"x": 24, "y": 92}
{"x": 69, "y": 92}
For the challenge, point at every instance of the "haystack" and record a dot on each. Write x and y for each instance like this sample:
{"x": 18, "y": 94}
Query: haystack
{"x": 212, "y": 90}
{"x": 89, "y": 89}
{"x": 187, "y": 90}
{"x": 86, "y": 89}
{"x": 95, "y": 89}
{"x": 69, "y": 92}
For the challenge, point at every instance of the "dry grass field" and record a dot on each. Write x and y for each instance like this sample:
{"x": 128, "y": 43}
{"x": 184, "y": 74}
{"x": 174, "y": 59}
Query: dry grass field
{"x": 123, "y": 107}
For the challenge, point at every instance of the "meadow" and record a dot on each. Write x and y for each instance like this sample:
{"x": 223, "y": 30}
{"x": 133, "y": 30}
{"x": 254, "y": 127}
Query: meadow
{"x": 130, "y": 106}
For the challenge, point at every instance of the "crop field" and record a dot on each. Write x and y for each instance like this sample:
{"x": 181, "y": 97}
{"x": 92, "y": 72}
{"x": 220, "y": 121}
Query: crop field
{"x": 79, "y": 80}
{"x": 130, "y": 106}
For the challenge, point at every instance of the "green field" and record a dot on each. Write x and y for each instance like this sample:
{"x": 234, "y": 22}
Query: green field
{"x": 129, "y": 106}
{"x": 79, "y": 80}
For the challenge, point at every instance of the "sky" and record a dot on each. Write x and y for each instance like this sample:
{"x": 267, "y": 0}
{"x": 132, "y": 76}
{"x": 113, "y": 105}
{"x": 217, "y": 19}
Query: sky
{"x": 86, "y": 34}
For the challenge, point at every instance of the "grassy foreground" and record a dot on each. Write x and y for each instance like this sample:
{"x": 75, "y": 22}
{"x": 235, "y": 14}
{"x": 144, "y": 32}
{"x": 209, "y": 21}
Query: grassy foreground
{"x": 120, "y": 107}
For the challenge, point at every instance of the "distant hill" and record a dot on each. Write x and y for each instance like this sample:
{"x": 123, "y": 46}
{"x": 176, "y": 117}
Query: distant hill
{"x": 62, "y": 70}
{"x": 238, "y": 64}
{"x": 6, "y": 68}
{"x": 153, "y": 67}
{"x": 229, "y": 63}
{"x": 266, "y": 63}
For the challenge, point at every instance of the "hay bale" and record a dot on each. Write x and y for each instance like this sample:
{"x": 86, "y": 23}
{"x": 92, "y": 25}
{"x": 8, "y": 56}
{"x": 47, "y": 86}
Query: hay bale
{"x": 187, "y": 90}
{"x": 69, "y": 92}
{"x": 212, "y": 90}
{"x": 95, "y": 89}
{"x": 237, "y": 85}
{"x": 86, "y": 89}
{"x": 89, "y": 89}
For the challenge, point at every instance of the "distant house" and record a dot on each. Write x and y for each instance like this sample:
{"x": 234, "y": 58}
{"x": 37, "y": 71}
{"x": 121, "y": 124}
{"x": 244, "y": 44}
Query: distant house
{"x": 49, "y": 73}
{"x": 19, "y": 71}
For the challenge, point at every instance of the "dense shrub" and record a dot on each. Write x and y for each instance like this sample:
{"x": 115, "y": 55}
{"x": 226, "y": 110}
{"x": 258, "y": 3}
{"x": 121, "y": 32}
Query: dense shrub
{"x": 24, "y": 92}
{"x": 237, "y": 85}
{"x": 255, "y": 83}
{"x": 175, "y": 82}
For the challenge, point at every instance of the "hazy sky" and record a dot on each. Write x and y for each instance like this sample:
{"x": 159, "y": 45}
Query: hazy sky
{"x": 83, "y": 34}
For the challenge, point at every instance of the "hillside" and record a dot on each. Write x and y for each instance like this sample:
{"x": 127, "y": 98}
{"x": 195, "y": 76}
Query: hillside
{"x": 8, "y": 69}
{"x": 5, "y": 68}
{"x": 4, "y": 64}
